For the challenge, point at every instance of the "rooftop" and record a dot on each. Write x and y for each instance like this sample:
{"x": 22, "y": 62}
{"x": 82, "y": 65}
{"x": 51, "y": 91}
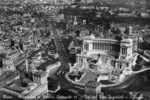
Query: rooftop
{"x": 43, "y": 66}
{"x": 40, "y": 73}
{"x": 88, "y": 76}
{"x": 4, "y": 94}
{"x": 7, "y": 76}
{"x": 97, "y": 39}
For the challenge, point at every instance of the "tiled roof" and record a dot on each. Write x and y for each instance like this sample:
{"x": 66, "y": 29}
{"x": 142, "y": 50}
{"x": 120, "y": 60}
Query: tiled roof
{"x": 40, "y": 73}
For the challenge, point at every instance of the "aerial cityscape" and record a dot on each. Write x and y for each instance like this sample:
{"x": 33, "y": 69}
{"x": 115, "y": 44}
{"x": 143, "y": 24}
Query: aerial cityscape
{"x": 75, "y": 49}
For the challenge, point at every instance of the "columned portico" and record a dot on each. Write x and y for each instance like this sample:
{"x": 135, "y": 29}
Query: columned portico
{"x": 116, "y": 51}
{"x": 101, "y": 46}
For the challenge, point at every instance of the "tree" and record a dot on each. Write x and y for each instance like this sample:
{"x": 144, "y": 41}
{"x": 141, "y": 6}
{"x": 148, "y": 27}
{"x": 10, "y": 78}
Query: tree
{"x": 77, "y": 1}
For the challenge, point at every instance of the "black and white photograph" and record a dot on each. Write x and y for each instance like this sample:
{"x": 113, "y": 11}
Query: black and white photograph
{"x": 75, "y": 49}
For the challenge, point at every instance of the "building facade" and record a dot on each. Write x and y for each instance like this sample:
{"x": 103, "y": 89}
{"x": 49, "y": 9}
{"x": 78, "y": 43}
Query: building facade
{"x": 101, "y": 46}
{"x": 118, "y": 52}
{"x": 112, "y": 47}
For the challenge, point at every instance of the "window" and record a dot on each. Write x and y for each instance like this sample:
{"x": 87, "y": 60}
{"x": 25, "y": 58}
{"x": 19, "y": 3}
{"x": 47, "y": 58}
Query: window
{"x": 113, "y": 63}
{"x": 124, "y": 50}
{"x": 94, "y": 45}
{"x": 86, "y": 46}
{"x": 119, "y": 65}
{"x": 102, "y": 46}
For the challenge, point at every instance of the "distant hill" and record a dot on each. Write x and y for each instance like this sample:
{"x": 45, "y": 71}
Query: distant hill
{"x": 127, "y": 3}
{"x": 148, "y": 3}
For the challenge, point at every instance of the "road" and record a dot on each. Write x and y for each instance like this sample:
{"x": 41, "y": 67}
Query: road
{"x": 132, "y": 83}
{"x": 138, "y": 81}
{"x": 7, "y": 77}
{"x": 36, "y": 92}
{"x": 66, "y": 85}
{"x": 11, "y": 93}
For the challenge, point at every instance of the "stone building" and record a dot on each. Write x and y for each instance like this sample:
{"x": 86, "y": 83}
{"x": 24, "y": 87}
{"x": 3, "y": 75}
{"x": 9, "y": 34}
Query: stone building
{"x": 40, "y": 77}
{"x": 117, "y": 52}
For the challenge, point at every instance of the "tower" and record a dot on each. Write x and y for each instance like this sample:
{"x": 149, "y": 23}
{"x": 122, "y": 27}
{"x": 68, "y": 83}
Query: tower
{"x": 126, "y": 49}
{"x": 130, "y": 30}
{"x": 27, "y": 65}
{"x": 75, "y": 21}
